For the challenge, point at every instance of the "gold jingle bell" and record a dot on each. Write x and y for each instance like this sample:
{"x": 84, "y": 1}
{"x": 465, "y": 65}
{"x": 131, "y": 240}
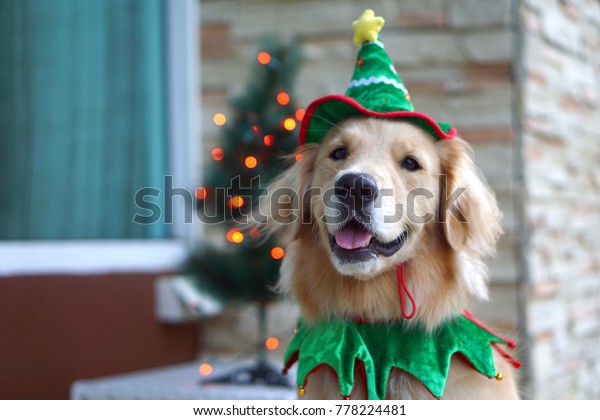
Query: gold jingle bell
{"x": 301, "y": 391}
{"x": 498, "y": 376}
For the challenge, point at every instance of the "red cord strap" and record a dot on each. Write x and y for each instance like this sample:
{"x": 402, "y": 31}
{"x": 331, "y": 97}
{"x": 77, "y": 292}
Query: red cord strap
{"x": 402, "y": 287}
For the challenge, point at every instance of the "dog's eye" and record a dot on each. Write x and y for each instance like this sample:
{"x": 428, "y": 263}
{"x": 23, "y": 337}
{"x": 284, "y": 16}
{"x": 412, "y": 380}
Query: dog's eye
{"x": 338, "y": 154}
{"x": 410, "y": 164}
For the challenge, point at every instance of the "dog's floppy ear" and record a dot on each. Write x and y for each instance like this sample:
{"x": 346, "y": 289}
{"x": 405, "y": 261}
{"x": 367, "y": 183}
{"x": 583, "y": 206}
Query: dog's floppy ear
{"x": 468, "y": 209}
{"x": 286, "y": 205}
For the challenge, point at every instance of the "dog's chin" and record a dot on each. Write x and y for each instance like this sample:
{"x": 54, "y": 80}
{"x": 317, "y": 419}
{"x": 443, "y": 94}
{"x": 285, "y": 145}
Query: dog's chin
{"x": 356, "y": 252}
{"x": 365, "y": 270}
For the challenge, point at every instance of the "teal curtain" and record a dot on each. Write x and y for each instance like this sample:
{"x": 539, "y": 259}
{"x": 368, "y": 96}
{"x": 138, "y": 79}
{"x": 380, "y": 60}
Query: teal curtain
{"x": 82, "y": 117}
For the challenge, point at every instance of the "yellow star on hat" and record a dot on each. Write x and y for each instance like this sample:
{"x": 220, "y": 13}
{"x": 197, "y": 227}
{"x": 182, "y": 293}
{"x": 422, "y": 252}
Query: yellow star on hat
{"x": 367, "y": 27}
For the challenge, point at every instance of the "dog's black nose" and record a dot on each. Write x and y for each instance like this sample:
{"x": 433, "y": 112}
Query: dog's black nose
{"x": 356, "y": 189}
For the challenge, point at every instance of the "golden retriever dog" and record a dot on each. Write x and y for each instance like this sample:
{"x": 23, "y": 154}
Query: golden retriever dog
{"x": 390, "y": 203}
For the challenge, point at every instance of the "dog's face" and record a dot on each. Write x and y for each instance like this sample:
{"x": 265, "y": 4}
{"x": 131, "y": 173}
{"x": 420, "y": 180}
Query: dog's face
{"x": 377, "y": 184}
{"x": 374, "y": 194}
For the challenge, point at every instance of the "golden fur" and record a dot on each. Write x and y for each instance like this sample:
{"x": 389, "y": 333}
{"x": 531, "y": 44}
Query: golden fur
{"x": 444, "y": 268}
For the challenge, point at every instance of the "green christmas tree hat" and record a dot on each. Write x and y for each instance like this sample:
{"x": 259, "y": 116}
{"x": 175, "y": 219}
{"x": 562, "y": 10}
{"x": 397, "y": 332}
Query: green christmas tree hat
{"x": 375, "y": 90}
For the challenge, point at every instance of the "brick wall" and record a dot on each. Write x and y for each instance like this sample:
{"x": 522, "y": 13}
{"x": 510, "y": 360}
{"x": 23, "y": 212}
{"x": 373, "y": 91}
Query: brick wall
{"x": 560, "y": 111}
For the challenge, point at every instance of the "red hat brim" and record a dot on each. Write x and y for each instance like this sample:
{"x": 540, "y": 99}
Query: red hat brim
{"x": 326, "y": 112}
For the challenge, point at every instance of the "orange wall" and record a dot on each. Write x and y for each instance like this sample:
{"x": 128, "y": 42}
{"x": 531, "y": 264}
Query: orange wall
{"x": 54, "y": 330}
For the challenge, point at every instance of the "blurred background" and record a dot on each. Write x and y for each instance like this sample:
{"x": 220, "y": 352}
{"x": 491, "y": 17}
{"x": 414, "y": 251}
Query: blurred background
{"x": 120, "y": 118}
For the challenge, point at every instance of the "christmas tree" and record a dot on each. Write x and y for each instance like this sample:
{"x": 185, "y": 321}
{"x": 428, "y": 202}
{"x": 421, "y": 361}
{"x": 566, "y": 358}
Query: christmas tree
{"x": 257, "y": 132}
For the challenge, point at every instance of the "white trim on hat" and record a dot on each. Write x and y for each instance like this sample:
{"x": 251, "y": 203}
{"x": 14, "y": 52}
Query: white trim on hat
{"x": 373, "y": 80}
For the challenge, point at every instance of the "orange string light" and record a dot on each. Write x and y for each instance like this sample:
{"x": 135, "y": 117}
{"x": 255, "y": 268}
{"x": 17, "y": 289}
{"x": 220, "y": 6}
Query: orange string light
{"x": 200, "y": 193}
{"x": 277, "y": 253}
{"x": 236, "y": 201}
{"x": 272, "y": 343}
{"x": 217, "y": 153}
{"x": 269, "y": 139}
{"x": 237, "y": 237}
{"x": 219, "y": 119}
{"x": 300, "y": 114}
{"x": 289, "y": 124}
{"x": 283, "y": 98}
{"x": 230, "y": 235}
{"x": 205, "y": 369}
{"x": 250, "y": 162}
{"x": 264, "y": 57}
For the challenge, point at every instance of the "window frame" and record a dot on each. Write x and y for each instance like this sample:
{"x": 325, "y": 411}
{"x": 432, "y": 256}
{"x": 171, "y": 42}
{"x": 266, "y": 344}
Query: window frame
{"x": 90, "y": 257}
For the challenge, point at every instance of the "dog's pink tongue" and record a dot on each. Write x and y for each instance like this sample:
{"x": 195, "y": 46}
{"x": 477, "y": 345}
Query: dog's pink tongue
{"x": 352, "y": 237}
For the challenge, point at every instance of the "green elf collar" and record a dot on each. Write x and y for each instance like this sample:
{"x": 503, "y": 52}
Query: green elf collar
{"x": 339, "y": 344}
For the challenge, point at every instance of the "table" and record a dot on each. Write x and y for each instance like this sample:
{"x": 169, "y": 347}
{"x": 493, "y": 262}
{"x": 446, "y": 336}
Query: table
{"x": 175, "y": 382}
